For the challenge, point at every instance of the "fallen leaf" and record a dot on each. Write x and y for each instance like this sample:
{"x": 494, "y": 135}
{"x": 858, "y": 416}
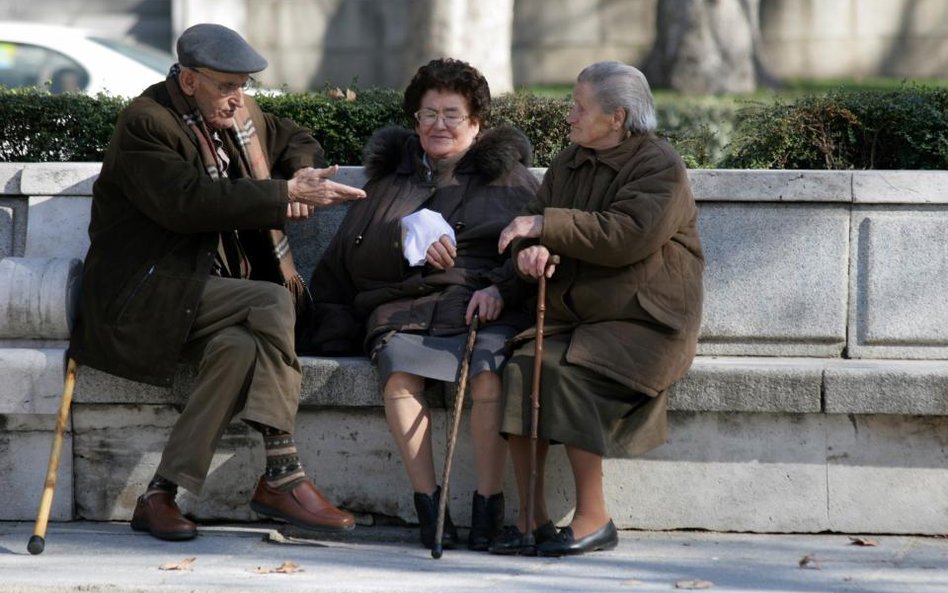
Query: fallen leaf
{"x": 183, "y": 565}
{"x": 335, "y": 93}
{"x": 809, "y": 561}
{"x": 285, "y": 568}
{"x": 694, "y": 584}
{"x": 350, "y": 95}
{"x": 863, "y": 541}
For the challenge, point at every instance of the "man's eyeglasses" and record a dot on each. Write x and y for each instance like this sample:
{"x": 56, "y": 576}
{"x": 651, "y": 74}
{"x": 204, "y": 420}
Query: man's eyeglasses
{"x": 429, "y": 117}
{"x": 228, "y": 89}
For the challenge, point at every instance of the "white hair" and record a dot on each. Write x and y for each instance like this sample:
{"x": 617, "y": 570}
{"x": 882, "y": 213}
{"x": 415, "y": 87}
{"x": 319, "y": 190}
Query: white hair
{"x": 617, "y": 85}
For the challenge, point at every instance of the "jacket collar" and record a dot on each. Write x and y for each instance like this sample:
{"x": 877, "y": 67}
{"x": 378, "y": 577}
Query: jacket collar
{"x": 614, "y": 158}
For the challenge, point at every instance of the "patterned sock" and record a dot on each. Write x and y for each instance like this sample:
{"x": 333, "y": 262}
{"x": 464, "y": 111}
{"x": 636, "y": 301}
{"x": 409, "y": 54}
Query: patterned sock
{"x": 284, "y": 470}
{"x": 159, "y": 484}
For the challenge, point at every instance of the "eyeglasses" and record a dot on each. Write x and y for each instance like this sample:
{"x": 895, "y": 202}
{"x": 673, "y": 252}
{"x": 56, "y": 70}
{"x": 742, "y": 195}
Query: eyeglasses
{"x": 228, "y": 89}
{"x": 429, "y": 117}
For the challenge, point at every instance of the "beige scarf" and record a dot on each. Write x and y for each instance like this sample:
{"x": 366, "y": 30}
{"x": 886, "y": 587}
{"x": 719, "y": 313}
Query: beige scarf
{"x": 252, "y": 163}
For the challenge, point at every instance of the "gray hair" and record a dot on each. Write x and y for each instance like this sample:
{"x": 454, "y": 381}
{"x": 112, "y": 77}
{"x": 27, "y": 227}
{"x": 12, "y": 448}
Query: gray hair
{"x": 617, "y": 85}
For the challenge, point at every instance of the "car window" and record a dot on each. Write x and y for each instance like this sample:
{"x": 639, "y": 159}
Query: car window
{"x": 22, "y": 64}
{"x": 153, "y": 58}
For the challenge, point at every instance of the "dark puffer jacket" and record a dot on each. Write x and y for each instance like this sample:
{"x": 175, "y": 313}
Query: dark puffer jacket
{"x": 363, "y": 268}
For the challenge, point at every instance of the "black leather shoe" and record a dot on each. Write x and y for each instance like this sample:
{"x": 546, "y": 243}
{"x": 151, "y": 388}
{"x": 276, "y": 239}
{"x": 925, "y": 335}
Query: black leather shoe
{"x": 426, "y": 505}
{"x": 511, "y": 540}
{"x": 565, "y": 544}
{"x": 487, "y": 519}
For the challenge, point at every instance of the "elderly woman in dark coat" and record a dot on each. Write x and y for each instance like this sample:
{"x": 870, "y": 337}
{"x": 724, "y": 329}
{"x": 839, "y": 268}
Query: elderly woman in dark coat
{"x": 467, "y": 184}
{"x": 623, "y": 304}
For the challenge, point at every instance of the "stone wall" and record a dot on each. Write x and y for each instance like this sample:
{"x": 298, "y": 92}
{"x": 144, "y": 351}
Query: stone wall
{"x": 818, "y": 401}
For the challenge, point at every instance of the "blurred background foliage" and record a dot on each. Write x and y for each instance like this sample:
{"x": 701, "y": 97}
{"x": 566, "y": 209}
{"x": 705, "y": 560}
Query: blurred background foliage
{"x": 868, "y": 125}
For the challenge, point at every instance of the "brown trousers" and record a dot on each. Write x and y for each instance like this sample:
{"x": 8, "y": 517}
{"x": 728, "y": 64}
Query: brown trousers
{"x": 242, "y": 344}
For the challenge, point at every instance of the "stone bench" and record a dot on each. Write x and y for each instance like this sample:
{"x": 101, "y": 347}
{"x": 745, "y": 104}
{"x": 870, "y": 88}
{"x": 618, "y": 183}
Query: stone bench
{"x": 818, "y": 400}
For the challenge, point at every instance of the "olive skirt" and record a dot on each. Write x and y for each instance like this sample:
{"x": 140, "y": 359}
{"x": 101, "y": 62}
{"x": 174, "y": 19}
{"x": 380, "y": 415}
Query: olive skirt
{"x": 578, "y": 406}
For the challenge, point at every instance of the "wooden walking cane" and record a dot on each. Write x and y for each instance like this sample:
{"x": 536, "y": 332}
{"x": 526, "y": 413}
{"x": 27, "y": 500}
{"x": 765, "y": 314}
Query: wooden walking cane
{"x": 528, "y": 539}
{"x": 38, "y": 542}
{"x": 437, "y": 548}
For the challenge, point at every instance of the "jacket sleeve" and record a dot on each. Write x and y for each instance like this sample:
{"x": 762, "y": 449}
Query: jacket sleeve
{"x": 291, "y": 147}
{"x": 645, "y": 213}
{"x": 158, "y": 168}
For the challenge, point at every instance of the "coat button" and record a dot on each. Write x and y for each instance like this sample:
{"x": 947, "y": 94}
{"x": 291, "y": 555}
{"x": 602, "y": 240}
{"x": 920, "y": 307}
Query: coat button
{"x": 187, "y": 311}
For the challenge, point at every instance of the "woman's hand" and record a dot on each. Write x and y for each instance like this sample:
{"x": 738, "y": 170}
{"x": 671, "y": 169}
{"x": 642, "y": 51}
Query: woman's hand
{"x": 520, "y": 227}
{"x": 534, "y": 261}
{"x": 487, "y": 303}
{"x": 441, "y": 253}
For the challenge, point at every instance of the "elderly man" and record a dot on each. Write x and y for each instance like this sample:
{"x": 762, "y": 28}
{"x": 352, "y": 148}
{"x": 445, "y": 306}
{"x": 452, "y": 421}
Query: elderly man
{"x": 188, "y": 260}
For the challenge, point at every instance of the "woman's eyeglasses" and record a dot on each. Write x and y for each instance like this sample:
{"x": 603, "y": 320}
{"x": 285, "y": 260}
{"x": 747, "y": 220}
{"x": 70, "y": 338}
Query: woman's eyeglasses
{"x": 429, "y": 117}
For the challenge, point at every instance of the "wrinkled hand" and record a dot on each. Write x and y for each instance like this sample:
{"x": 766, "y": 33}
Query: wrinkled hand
{"x": 441, "y": 253}
{"x": 536, "y": 260}
{"x": 487, "y": 303}
{"x": 520, "y": 227}
{"x": 315, "y": 189}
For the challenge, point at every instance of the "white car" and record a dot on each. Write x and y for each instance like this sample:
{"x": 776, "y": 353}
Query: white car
{"x": 68, "y": 59}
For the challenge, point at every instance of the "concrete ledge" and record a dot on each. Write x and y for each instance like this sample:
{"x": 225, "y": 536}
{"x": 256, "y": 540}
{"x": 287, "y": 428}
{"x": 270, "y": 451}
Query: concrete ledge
{"x": 38, "y": 297}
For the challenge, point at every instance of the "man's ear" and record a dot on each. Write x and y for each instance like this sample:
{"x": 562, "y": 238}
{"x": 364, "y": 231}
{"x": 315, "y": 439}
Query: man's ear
{"x": 187, "y": 80}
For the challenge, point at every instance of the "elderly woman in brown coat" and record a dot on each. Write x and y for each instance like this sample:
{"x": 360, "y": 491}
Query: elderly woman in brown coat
{"x": 623, "y": 304}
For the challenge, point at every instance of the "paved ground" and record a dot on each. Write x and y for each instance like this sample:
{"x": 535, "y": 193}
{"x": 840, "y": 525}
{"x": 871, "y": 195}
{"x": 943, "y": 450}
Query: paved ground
{"x": 110, "y": 557}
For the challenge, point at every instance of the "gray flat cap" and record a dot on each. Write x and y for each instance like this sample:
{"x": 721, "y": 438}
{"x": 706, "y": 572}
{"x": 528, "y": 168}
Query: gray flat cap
{"x": 216, "y": 47}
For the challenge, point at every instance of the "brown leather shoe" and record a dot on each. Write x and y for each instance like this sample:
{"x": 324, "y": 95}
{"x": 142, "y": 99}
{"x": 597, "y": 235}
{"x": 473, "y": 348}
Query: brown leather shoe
{"x": 303, "y": 506}
{"x": 157, "y": 513}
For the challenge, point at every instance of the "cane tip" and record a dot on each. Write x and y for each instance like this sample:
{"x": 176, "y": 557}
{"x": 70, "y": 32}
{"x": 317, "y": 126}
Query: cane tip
{"x": 436, "y": 551}
{"x": 37, "y": 545}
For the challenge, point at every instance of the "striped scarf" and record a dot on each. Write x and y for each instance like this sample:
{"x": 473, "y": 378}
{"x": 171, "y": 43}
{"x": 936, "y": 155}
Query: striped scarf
{"x": 252, "y": 163}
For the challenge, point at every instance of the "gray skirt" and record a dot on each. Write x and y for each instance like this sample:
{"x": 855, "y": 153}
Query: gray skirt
{"x": 439, "y": 357}
{"x": 578, "y": 406}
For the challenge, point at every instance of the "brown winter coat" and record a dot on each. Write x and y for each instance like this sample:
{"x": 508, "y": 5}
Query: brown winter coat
{"x": 624, "y": 222}
{"x": 364, "y": 266}
{"x": 156, "y": 219}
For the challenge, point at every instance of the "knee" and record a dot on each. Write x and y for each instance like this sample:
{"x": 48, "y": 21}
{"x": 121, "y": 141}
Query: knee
{"x": 233, "y": 345}
{"x": 403, "y": 385}
{"x": 486, "y": 388}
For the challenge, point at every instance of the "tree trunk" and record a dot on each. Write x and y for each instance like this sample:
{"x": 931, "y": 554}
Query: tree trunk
{"x": 707, "y": 47}
{"x": 475, "y": 31}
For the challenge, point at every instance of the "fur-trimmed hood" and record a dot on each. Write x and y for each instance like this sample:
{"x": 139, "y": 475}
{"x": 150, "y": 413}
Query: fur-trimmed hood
{"x": 495, "y": 152}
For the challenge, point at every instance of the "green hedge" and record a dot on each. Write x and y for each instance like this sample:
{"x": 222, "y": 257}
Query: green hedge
{"x": 904, "y": 128}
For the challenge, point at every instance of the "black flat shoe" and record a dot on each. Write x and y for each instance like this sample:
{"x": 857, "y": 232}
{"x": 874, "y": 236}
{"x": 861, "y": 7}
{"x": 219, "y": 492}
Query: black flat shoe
{"x": 565, "y": 544}
{"x": 510, "y": 541}
{"x": 426, "y": 505}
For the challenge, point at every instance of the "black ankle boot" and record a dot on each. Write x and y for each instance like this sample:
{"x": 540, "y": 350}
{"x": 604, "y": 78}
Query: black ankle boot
{"x": 426, "y": 505}
{"x": 487, "y": 519}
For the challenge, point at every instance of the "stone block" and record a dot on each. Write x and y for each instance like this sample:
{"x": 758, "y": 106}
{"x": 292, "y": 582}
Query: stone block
{"x": 6, "y": 231}
{"x": 58, "y": 226}
{"x": 745, "y": 384}
{"x": 726, "y": 185}
{"x": 10, "y": 174}
{"x": 899, "y": 279}
{"x": 886, "y": 474}
{"x": 726, "y": 472}
{"x": 96, "y": 387}
{"x": 339, "y": 382}
{"x": 776, "y": 279}
{"x": 118, "y": 448}
{"x": 900, "y": 187}
{"x": 25, "y": 442}
{"x": 909, "y": 387}
{"x": 59, "y": 179}
{"x": 38, "y": 297}
{"x": 32, "y": 380}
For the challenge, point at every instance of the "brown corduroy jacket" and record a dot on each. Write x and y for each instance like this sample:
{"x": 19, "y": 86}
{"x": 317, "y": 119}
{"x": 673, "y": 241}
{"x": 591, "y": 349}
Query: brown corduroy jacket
{"x": 629, "y": 285}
